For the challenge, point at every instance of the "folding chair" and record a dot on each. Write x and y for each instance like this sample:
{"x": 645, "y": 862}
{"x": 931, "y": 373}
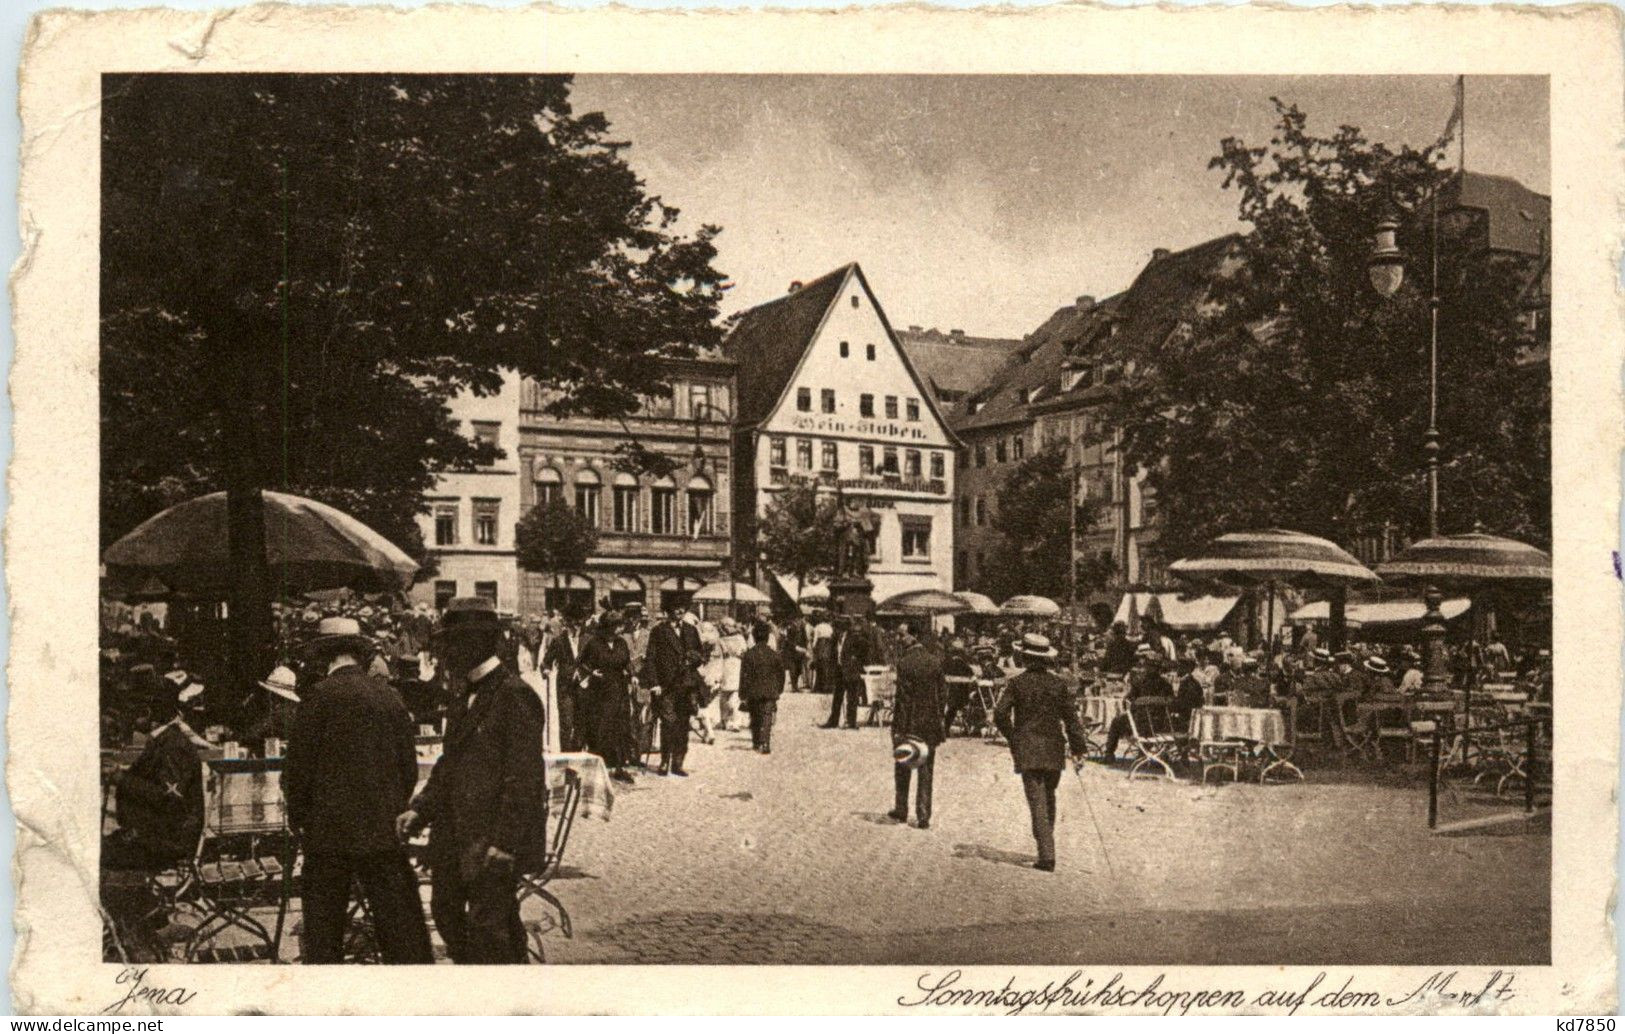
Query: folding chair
{"x": 987, "y": 698}
{"x": 1152, "y": 735}
{"x": 563, "y": 810}
{"x": 1355, "y": 727}
{"x": 880, "y": 686}
{"x": 243, "y": 862}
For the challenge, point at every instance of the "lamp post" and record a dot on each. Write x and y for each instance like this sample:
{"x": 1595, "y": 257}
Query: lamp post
{"x": 701, "y": 412}
{"x": 1386, "y": 267}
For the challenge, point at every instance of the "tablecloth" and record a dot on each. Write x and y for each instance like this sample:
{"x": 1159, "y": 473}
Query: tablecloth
{"x": 1101, "y": 710}
{"x": 597, "y": 793}
{"x": 1255, "y": 724}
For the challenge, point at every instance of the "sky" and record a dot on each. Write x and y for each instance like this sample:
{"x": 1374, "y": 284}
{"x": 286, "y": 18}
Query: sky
{"x": 984, "y": 203}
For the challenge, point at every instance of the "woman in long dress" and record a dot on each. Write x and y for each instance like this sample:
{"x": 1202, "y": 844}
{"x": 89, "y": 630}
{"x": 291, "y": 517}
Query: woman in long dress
{"x": 710, "y": 675}
{"x": 732, "y": 646}
{"x": 606, "y": 671}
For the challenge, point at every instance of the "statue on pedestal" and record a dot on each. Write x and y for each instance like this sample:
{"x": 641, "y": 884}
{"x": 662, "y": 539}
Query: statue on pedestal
{"x": 854, "y": 525}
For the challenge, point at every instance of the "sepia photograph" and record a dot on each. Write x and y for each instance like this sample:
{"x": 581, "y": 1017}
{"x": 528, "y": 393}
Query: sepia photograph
{"x": 823, "y": 519}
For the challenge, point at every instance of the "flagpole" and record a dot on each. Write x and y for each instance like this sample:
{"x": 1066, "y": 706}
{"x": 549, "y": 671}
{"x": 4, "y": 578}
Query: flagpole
{"x": 1461, "y": 105}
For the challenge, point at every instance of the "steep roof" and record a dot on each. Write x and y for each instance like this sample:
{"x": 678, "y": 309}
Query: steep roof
{"x": 768, "y": 342}
{"x": 1519, "y": 219}
{"x": 1032, "y": 374}
{"x": 955, "y": 364}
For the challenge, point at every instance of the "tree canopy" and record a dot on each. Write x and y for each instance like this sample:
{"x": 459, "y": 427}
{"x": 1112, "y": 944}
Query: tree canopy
{"x": 331, "y": 258}
{"x": 1294, "y": 394}
{"x": 554, "y": 537}
{"x": 1033, "y": 526}
{"x": 796, "y": 532}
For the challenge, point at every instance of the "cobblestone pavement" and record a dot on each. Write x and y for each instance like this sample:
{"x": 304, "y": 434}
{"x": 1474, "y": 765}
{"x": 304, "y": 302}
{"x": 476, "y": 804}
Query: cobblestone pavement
{"x": 790, "y": 859}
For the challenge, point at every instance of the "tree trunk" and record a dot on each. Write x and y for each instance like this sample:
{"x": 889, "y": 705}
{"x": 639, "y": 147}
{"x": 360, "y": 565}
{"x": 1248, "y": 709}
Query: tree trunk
{"x": 248, "y": 621}
{"x": 1339, "y": 634}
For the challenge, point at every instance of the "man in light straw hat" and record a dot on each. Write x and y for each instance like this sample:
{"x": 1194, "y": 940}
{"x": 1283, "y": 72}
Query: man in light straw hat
{"x": 1036, "y": 716}
{"x": 486, "y": 801}
{"x": 350, "y": 768}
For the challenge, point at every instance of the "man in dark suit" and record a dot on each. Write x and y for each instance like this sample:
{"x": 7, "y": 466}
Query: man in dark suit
{"x": 1036, "y": 716}
{"x": 160, "y": 797}
{"x": 486, "y": 801}
{"x": 761, "y": 680}
{"x": 560, "y": 656}
{"x": 350, "y": 769}
{"x": 795, "y": 650}
{"x": 674, "y": 647}
{"x": 917, "y": 713}
{"x": 853, "y": 650}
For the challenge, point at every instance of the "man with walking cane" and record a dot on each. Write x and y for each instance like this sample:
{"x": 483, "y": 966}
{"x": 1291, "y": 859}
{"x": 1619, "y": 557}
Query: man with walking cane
{"x": 1036, "y": 716}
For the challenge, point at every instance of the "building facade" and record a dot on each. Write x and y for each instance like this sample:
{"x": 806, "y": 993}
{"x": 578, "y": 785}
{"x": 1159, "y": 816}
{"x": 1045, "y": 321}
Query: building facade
{"x": 827, "y": 394}
{"x": 661, "y": 535}
{"x": 468, "y": 528}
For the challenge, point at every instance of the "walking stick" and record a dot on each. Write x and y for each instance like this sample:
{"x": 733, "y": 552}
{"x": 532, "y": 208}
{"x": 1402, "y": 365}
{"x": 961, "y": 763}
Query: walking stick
{"x": 1077, "y": 770}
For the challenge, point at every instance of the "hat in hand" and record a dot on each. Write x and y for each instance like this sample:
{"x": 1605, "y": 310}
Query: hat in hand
{"x": 911, "y": 752}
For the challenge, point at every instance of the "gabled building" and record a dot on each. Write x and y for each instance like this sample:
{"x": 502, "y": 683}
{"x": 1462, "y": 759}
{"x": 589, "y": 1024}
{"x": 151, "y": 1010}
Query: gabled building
{"x": 827, "y": 393}
{"x": 1054, "y": 389}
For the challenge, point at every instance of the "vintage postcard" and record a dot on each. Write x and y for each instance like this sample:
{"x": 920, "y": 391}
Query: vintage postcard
{"x": 1067, "y": 510}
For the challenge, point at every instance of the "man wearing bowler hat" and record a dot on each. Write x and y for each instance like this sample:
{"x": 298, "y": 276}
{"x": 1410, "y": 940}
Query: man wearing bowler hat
{"x": 486, "y": 801}
{"x": 350, "y": 768}
{"x": 1036, "y": 716}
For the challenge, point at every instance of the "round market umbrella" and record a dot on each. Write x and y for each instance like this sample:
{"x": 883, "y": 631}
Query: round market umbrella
{"x": 1470, "y": 559}
{"x": 922, "y": 601}
{"x": 308, "y": 545}
{"x": 718, "y": 592}
{"x": 1475, "y": 562}
{"x": 1272, "y": 557}
{"x": 1030, "y": 607}
{"x": 979, "y": 604}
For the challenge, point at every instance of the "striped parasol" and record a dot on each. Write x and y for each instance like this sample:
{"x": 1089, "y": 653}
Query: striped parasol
{"x": 1470, "y": 558}
{"x": 979, "y": 604}
{"x": 1273, "y": 557}
{"x": 1030, "y": 607}
{"x": 922, "y": 601}
{"x": 308, "y": 545}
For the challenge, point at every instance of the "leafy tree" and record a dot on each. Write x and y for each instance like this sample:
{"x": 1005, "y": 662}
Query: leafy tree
{"x": 298, "y": 271}
{"x": 554, "y": 537}
{"x": 1295, "y": 395}
{"x": 1033, "y": 526}
{"x": 796, "y": 532}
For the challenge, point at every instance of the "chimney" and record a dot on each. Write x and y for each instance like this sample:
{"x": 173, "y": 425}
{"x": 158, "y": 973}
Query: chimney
{"x": 1158, "y": 254}
{"x": 1085, "y": 301}
{"x": 795, "y": 285}
{"x": 956, "y": 332}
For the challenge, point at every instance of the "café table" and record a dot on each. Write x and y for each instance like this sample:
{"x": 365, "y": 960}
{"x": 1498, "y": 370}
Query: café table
{"x": 597, "y": 793}
{"x": 1261, "y": 730}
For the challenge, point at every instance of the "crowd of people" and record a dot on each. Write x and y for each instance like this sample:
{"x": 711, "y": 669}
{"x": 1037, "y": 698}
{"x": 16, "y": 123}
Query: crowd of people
{"x": 358, "y": 682}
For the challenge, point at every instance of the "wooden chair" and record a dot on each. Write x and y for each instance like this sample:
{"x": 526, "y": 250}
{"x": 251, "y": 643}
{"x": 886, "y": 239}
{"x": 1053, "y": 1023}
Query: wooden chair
{"x": 244, "y": 862}
{"x": 1153, "y": 736}
{"x": 534, "y": 884}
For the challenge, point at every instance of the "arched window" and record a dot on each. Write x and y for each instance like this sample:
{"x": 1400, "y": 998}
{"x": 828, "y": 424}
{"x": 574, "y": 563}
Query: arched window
{"x": 588, "y": 490}
{"x": 663, "y": 507}
{"x": 700, "y": 500}
{"x": 549, "y": 486}
{"x": 624, "y": 512}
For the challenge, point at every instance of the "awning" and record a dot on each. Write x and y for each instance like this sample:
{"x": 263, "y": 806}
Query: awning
{"x": 1196, "y": 614}
{"x": 1376, "y": 615}
{"x": 801, "y": 593}
{"x": 1176, "y": 612}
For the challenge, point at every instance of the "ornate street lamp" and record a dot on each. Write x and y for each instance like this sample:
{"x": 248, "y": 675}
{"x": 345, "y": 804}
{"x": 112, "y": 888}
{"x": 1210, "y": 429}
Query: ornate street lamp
{"x": 1386, "y": 267}
{"x": 1386, "y": 264}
